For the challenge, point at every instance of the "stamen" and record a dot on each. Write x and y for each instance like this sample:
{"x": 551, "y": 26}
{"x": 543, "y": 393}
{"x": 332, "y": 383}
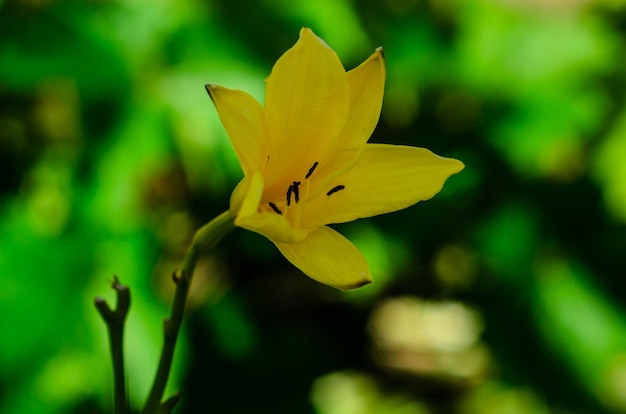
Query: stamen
{"x": 276, "y": 209}
{"x": 296, "y": 191}
{"x": 311, "y": 170}
{"x": 289, "y": 190}
{"x": 335, "y": 189}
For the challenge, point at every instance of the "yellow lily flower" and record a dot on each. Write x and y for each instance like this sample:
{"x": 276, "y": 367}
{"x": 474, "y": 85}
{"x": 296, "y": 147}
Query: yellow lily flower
{"x": 307, "y": 163}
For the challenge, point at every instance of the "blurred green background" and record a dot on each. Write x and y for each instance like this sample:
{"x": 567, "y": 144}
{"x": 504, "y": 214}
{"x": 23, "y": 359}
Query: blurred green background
{"x": 503, "y": 294}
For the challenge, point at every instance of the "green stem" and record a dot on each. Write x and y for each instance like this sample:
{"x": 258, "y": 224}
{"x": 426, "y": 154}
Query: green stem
{"x": 114, "y": 320}
{"x": 206, "y": 238}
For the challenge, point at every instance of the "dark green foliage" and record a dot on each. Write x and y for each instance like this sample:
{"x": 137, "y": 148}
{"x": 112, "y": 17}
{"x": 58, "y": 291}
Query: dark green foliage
{"x": 112, "y": 155}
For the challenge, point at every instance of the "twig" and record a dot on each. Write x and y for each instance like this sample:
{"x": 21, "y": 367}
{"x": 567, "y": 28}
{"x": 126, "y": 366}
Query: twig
{"x": 114, "y": 320}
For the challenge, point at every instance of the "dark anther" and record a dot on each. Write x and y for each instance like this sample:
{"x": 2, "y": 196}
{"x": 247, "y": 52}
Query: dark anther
{"x": 335, "y": 189}
{"x": 293, "y": 188}
{"x": 296, "y": 192}
{"x": 276, "y": 209}
{"x": 311, "y": 170}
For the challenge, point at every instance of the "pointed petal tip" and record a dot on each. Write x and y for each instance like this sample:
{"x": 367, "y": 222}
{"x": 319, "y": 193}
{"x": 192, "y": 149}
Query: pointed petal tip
{"x": 452, "y": 165}
{"x": 380, "y": 51}
{"x": 457, "y": 166}
{"x": 210, "y": 87}
{"x": 308, "y": 35}
{"x": 367, "y": 279}
{"x": 306, "y": 32}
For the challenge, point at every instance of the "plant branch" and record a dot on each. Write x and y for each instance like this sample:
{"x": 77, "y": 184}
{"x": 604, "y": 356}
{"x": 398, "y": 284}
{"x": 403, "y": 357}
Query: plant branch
{"x": 206, "y": 238}
{"x": 114, "y": 320}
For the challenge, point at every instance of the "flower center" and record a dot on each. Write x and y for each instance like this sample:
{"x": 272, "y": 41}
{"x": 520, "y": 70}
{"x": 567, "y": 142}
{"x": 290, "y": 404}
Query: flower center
{"x": 294, "y": 193}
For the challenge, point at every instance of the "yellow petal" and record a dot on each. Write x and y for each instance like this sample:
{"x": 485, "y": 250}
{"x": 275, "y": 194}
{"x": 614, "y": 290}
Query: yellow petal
{"x": 385, "y": 178}
{"x": 367, "y": 84}
{"x": 245, "y": 202}
{"x": 328, "y": 257}
{"x": 306, "y": 104}
{"x": 244, "y": 121}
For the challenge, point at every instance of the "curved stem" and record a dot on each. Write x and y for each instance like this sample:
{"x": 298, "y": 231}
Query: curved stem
{"x": 206, "y": 238}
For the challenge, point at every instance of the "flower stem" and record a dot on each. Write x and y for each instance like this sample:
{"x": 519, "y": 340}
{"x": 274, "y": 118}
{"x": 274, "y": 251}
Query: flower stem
{"x": 114, "y": 320}
{"x": 206, "y": 238}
